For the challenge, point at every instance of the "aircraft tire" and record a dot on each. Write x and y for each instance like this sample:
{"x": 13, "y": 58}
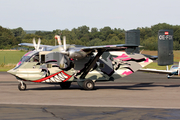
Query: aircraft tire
{"x": 88, "y": 84}
{"x": 65, "y": 85}
{"x": 22, "y": 86}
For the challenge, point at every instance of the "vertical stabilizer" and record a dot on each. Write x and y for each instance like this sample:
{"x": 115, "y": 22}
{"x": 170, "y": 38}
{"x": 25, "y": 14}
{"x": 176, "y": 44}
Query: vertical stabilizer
{"x": 165, "y": 47}
{"x": 132, "y": 37}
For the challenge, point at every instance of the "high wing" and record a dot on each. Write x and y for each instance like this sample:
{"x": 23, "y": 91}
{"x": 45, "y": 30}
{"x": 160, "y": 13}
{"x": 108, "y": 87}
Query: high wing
{"x": 32, "y": 45}
{"x": 118, "y": 47}
{"x": 47, "y": 47}
{"x": 110, "y": 47}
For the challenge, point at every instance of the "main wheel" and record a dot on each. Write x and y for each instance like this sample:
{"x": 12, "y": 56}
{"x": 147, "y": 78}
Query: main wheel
{"x": 65, "y": 85}
{"x": 88, "y": 84}
{"x": 22, "y": 86}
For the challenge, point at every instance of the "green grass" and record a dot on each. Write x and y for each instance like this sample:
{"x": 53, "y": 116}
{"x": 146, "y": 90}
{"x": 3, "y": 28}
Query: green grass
{"x": 4, "y": 69}
{"x": 176, "y": 56}
{"x": 8, "y": 59}
{"x": 155, "y": 53}
{"x": 155, "y": 66}
{"x": 11, "y": 57}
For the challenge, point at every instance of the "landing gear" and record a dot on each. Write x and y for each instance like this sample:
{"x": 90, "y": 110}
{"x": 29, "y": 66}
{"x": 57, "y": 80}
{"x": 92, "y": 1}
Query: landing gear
{"x": 65, "y": 85}
{"x": 169, "y": 76}
{"x": 88, "y": 84}
{"x": 22, "y": 86}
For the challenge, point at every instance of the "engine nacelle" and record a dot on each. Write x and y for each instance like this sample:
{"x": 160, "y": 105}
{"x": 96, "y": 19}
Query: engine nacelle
{"x": 76, "y": 54}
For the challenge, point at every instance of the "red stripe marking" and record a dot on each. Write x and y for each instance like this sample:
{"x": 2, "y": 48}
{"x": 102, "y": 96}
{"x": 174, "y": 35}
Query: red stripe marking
{"x": 48, "y": 77}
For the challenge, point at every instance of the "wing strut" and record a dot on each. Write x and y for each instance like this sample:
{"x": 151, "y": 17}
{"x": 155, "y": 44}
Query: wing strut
{"x": 92, "y": 63}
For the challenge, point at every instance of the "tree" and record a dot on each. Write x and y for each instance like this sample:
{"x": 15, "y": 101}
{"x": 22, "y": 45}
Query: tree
{"x": 106, "y": 31}
{"x": 19, "y": 32}
{"x": 110, "y": 36}
{"x": 150, "y": 43}
{"x": 121, "y": 36}
{"x": 95, "y": 42}
{"x": 83, "y": 29}
{"x": 94, "y": 30}
{"x": 83, "y": 36}
{"x": 7, "y": 38}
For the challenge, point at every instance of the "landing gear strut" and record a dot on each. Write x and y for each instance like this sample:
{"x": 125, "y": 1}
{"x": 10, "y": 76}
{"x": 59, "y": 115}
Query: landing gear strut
{"x": 22, "y": 86}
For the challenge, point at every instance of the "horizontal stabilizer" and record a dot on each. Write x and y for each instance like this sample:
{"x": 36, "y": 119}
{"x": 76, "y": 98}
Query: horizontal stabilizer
{"x": 151, "y": 57}
{"x": 156, "y": 71}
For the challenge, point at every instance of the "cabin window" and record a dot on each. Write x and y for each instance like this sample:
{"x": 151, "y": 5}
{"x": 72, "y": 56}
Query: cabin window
{"x": 34, "y": 58}
{"x": 42, "y": 58}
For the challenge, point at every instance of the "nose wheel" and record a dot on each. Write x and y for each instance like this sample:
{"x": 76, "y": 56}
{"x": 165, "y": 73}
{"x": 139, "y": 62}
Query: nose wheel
{"x": 22, "y": 86}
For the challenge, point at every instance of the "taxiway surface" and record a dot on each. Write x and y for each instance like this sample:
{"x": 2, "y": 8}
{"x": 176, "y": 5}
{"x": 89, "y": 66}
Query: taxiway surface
{"x": 138, "y": 96}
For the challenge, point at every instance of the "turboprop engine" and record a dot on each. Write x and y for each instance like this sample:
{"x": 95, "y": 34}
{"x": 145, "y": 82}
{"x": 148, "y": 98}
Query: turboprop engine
{"x": 74, "y": 53}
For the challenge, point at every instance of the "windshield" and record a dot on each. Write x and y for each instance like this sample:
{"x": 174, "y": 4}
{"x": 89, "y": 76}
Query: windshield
{"x": 25, "y": 58}
{"x": 174, "y": 67}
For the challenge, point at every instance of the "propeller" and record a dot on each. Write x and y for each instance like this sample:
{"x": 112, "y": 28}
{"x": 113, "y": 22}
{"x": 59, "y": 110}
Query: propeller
{"x": 64, "y": 43}
{"x": 71, "y": 53}
{"x": 36, "y": 46}
{"x": 62, "y": 49}
{"x": 58, "y": 38}
{"x": 34, "y": 43}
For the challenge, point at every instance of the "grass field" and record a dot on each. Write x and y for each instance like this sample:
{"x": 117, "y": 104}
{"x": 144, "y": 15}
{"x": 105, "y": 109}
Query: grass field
{"x": 154, "y": 65}
{"x": 176, "y": 54}
{"x": 8, "y": 59}
{"x": 11, "y": 57}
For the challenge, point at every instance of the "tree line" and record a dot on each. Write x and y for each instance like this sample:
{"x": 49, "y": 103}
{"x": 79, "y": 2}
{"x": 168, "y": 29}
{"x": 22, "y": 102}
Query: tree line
{"x": 10, "y": 38}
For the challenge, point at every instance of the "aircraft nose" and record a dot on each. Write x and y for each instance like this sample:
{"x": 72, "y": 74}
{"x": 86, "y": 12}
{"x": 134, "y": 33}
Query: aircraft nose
{"x": 13, "y": 72}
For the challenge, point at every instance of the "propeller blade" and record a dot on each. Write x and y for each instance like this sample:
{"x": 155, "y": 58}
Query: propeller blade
{"x": 34, "y": 43}
{"x": 58, "y": 38}
{"x": 64, "y": 42}
{"x": 39, "y": 42}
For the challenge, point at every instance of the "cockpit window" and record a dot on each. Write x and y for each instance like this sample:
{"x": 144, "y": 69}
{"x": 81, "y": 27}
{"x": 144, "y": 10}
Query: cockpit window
{"x": 24, "y": 58}
{"x": 28, "y": 58}
{"x": 34, "y": 58}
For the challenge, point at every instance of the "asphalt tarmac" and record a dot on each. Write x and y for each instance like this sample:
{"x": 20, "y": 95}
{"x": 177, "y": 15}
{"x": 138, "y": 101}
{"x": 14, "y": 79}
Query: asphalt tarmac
{"x": 139, "y": 96}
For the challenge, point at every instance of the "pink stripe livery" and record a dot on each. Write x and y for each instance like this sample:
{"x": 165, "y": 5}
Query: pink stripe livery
{"x": 122, "y": 56}
{"x": 147, "y": 60}
{"x": 127, "y": 73}
{"x": 19, "y": 63}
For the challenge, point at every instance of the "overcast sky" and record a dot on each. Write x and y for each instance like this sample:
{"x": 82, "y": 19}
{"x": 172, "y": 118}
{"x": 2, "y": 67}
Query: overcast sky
{"x": 68, "y": 14}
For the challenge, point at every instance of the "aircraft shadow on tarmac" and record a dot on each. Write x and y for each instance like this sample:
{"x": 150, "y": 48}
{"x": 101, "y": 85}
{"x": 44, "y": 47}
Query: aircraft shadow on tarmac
{"x": 139, "y": 86}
